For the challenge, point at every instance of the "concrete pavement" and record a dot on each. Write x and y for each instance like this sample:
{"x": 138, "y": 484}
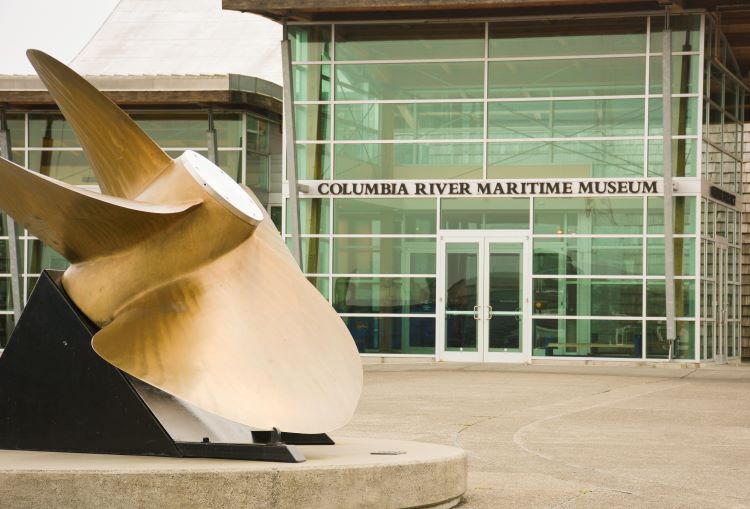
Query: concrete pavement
{"x": 574, "y": 436}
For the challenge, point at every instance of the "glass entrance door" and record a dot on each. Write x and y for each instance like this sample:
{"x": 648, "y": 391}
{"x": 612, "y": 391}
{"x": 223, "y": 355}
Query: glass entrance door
{"x": 483, "y": 299}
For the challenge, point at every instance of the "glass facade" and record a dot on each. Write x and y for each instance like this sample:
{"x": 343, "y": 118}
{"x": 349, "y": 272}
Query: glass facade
{"x": 556, "y": 100}
{"x": 249, "y": 149}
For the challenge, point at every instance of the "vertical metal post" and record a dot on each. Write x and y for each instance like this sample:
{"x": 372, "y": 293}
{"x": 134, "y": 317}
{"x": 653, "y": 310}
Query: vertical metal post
{"x": 290, "y": 148}
{"x": 211, "y": 142}
{"x": 10, "y": 225}
{"x": 666, "y": 62}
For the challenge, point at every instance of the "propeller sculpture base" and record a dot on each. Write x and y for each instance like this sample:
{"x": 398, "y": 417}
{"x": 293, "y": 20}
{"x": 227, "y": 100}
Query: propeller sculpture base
{"x": 57, "y": 394}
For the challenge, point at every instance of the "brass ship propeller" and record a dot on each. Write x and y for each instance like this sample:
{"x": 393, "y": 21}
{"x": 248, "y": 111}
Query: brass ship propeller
{"x": 181, "y": 268}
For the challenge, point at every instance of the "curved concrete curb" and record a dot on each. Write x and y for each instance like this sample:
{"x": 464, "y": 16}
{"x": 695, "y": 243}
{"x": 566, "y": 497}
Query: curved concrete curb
{"x": 343, "y": 476}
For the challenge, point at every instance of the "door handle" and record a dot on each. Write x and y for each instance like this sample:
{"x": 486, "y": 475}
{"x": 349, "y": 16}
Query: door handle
{"x": 476, "y": 313}
{"x": 489, "y": 312}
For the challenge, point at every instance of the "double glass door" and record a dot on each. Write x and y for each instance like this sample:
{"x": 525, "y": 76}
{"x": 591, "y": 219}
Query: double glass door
{"x": 483, "y": 299}
{"x": 722, "y": 329}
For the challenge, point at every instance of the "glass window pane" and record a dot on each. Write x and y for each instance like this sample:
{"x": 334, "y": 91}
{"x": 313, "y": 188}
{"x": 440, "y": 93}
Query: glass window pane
{"x": 685, "y": 71}
{"x": 433, "y": 121}
{"x": 312, "y": 122}
{"x": 310, "y": 43}
{"x": 228, "y": 128}
{"x": 49, "y": 130}
{"x": 683, "y": 214}
{"x": 588, "y": 297}
{"x": 684, "y": 158}
{"x": 313, "y": 161}
{"x": 256, "y": 175}
{"x": 320, "y": 283}
{"x": 314, "y": 216}
{"x": 587, "y": 338}
{"x": 547, "y": 119}
{"x": 312, "y": 82}
{"x": 392, "y": 334}
{"x": 567, "y": 37}
{"x": 684, "y": 298}
{"x": 408, "y": 161}
{"x": 684, "y": 256}
{"x": 71, "y": 167}
{"x": 484, "y": 213}
{"x": 575, "y": 159}
{"x": 414, "y": 295}
{"x": 17, "y": 128}
{"x": 685, "y": 32}
{"x": 657, "y": 346}
{"x": 231, "y": 162}
{"x": 684, "y": 116}
{"x": 178, "y": 130}
{"x": 383, "y": 256}
{"x": 588, "y": 215}
{"x": 454, "y": 80}
{"x": 384, "y": 215}
{"x": 314, "y": 254}
{"x": 43, "y": 257}
{"x": 569, "y": 77}
{"x": 588, "y": 256}
{"x": 412, "y": 41}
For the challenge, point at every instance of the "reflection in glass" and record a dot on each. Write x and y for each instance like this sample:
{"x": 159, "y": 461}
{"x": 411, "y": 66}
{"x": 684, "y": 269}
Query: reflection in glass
{"x": 312, "y": 122}
{"x": 462, "y": 296}
{"x": 684, "y": 256}
{"x": 484, "y": 213}
{"x": 384, "y": 215}
{"x": 588, "y": 215}
{"x": 587, "y": 338}
{"x": 381, "y": 334}
{"x": 506, "y": 296}
{"x": 657, "y": 346}
{"x": 313, "y": 161}
{"x": 409, "y": 161}
{"x": 314, "y": 254}
{"x": 377, "y": 255}
{"x": 588, "y": 297}
{"x": 43, "y": 257}
{"x": 684, "y": 116}
{"x": 684, "y": 158}
{"x": 684, "y": 297}
{"x": 683, "y": 217}
{"x": 71, "y": 167}
{"x": 414, "y": 295}
{"x": 588, "y": 256}
{"x": 310, "y": 43}
{"x": 565, "y": 159}
{"x": 50, "y": 130}
{"x": 312, "y": 82}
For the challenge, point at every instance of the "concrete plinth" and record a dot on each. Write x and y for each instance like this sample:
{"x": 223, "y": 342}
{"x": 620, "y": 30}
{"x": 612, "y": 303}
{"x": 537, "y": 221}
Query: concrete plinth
{"x": 341, "y": 476}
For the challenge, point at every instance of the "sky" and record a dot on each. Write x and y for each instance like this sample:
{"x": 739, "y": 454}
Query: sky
{"x": 58, "y": 27}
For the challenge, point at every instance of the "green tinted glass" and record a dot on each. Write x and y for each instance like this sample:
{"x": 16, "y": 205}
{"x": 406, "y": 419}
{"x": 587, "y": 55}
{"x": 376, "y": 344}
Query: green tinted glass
{"x": 588, "y": 215}
{"x": 684, "y": 214}
{"x": 71, "y": 167}
{"x": 312, "y": 82}
{"x": 384, "y": 215}
{"x": 373, "y": 334}
{"x": 47, "y": 130}
{"x": 684, "y": 116}
{"x": 409, "y": 161}
{"x": 175, "y": 131}
{"x": 569, "y": 159}
{"x": 17, "y": 128}
{"x": 228, "y": 130}
{"x": 657, "y": 345}
{"x": 314, "y": 254}
{"x": 587, "y": 338}
{"x": 588, "y": 256}
{"x": 312, "y": 122}
{"x": 454, "y": 80}
{"x": 588, "y": 297}
{"x": 685, "y": 32}
{"x": 543, "y": 119}
{"x": 484, "y": 213}
{"x": 568, "y": 77}
{"x": 567, "y": 37}
{"x": 685, "y": 71}
{"x": 320, "y": 283}
{"x": 412, "y": 41}
{"x": 314, "y": 216}
{"x": 310, "y": 43}
{"x": 313, "y": 161}
{"x": 433, "y": 121}
{"x": 383, "y": 256}
{"x": 231, "y": 162}
{"x": 684, "y": 158}
{"x": 43, "y": 257}
{"x": 684, "y": 298}
{"x": 414, "y": 295}
{"x": 684, "y": 256}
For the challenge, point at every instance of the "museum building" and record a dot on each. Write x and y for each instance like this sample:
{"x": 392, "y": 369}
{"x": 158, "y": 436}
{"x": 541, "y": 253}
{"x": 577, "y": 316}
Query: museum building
{"x": 484, "y": 181}
{"x": 185, "y": 94}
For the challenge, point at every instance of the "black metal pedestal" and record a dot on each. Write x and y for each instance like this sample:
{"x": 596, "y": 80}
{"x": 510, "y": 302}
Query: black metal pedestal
{"x": 57, "y": 394}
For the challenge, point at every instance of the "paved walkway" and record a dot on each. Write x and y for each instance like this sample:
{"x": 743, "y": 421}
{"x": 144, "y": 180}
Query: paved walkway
{"x": 588, "y": 436}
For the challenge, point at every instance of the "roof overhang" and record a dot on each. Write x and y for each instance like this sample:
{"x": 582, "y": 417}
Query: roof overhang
{"x": 223, "y": 90}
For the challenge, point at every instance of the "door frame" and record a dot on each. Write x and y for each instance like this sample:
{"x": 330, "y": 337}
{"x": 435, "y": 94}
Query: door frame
{"x": 721, "y": 286}
{"x": 484, "y": 238}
